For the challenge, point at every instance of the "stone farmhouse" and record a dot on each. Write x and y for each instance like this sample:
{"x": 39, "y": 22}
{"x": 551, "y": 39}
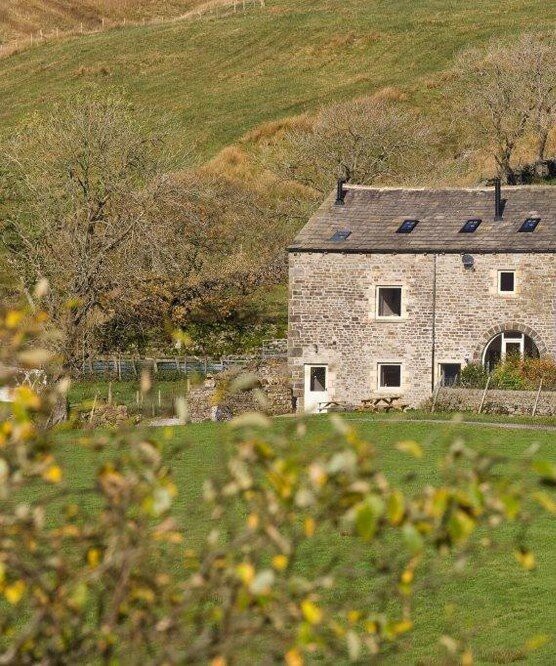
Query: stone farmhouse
{"x": 393, "y": 290}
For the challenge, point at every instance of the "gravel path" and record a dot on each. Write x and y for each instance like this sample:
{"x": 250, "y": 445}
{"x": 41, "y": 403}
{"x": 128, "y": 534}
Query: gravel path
{"x": 160, "y": 423}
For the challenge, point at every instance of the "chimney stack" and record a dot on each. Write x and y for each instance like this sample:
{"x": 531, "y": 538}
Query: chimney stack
{"x": 498, "y": 200}
{"x": 340, "y": 192}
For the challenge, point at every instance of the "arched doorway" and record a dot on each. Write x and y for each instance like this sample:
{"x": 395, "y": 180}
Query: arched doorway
{"x": 508, "y": 343}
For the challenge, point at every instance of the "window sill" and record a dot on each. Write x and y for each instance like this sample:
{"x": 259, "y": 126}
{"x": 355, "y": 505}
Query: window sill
{"x": 401, "y": 318}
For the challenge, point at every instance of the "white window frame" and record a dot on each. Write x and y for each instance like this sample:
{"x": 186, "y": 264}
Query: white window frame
{"x": 499, "y": 282}
{"x": 448, "y": 362}
{"x": 389, "y": 389}
{"x": 402, "y": 303}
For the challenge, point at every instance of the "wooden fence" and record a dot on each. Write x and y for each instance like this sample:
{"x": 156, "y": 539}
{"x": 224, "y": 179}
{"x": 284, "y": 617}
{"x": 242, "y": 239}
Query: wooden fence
{"x": 127, "y": 367}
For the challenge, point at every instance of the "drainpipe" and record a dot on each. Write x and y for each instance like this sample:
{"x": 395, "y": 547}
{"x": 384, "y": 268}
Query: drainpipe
{"x": 433, "y": 347}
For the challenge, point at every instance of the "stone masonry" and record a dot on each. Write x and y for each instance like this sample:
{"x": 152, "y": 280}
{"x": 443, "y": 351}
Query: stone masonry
{"x": 449, "y": 314}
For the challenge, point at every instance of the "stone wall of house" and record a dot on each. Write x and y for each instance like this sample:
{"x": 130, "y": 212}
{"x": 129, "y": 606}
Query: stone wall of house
{"x": 269, "y": 392}
{"x": 332, "y": 315}
{"x": 496, "y": 401}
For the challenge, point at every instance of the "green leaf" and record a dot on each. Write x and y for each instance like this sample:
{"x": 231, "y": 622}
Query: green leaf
{"x": 546, "y": 469}
{"x": 413, "y": 539}
{"x": 367, "y": 516}
{"x": 396, "y": 507}
{"x": 460, "y": 526}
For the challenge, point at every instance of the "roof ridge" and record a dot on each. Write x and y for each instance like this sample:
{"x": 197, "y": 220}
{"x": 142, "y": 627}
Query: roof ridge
{"x": 484, "y": 188}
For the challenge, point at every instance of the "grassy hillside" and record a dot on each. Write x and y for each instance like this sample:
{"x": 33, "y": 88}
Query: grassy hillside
{"x": 217, "y": 78}
{"x": 19, "y": 18}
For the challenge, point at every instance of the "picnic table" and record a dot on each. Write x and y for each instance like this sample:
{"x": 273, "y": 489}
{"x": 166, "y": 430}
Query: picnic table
{"x": 384, "y": 403}
{"x": 325, "y": 406}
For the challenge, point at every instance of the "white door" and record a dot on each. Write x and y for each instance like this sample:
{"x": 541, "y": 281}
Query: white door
{"x": 316, "y": 388}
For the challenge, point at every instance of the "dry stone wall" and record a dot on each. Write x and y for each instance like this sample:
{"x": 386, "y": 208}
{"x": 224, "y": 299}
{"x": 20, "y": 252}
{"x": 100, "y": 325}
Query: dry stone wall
{"x": 496, "y": 401}
{"x": 332, "y": 315}
{"x": 271, "y": 393}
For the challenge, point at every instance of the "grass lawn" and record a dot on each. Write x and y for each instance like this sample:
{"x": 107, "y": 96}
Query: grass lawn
{"x": 499, "y": 606}
{"x": 159, "y": 402}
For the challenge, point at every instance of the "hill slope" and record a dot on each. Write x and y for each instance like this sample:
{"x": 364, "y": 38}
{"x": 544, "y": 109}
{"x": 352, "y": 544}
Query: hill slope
{"x": 218, "y": 78}
{"x": 19, "y": 18}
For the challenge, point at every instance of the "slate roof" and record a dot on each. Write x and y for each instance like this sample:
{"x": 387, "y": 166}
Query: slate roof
{"x": 373, "y": 215}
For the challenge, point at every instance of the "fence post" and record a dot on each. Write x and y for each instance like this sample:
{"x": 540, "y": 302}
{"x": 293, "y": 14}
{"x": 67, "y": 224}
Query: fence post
{"x": 484, "y": 396}
{"x": 537, "y": 398}
{"x": 435, "y": 397}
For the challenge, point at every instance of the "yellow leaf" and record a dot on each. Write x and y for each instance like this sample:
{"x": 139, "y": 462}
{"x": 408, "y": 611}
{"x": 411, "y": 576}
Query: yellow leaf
{"x": 26, "y": 397}
{"x": 353, "y": 616}
{"x": 309, "y": 526}
{"x": 93, "y": 557}
{"x": 536, "y": 642}
{"x": 293, "y": 658}
{"x": 402, "y": 627}
{"x": 311, "y": 612}
{"x": 280, "y": 562}
{"x": 53, "y": 474}
{"x": 545, "y": 501}
{"x": 15, "y": 592}
{"x": 218, "y": 661}
{"x": 246, "y": 572}
{"x": 411, "y": 447}
{"x": 252, "y": 521}
{"x": 371, "y": 627}
{"x": 13, "y": 318}
{"x": 467, "y": 658}
{"x": 407, "y": 576}
{"x": 526, "y": 559}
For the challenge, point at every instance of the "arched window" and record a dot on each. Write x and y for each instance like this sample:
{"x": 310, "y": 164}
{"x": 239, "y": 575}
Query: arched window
{"x": 508, "y": 343}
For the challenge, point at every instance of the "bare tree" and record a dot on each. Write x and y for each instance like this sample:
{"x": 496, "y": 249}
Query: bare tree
{"x": 539, "y": 54}
{"x": 365, "y": 141}
{"x": 80, "y": 203}
{"x": 506, "y": 93}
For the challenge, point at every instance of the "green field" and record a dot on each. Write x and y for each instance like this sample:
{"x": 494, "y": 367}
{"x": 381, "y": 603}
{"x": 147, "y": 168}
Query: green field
{"x": 217, "y": 78}
{"x": 499, "y": 605}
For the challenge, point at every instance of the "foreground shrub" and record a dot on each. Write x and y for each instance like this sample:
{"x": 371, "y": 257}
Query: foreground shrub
{"x": 122, "y": 582}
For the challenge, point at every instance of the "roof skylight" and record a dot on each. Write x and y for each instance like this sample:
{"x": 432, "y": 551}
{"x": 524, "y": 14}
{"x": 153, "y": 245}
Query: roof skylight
{"x": 470, "y": 226}
{"x": 530, "y": 224}
{"x": 341, "y": 235}
{"x": 407, "y": 226}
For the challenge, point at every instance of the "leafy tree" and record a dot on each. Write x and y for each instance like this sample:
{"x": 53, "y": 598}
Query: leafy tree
{"x": 121, "y": 580}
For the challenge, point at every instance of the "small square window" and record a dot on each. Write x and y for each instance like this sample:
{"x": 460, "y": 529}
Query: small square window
{"x": 450, "y": 373}
{"x": 506, "y": 282}
{"x": 407, "y": 226}
{"x": 341, "y": 235}
{"x": 389, "y": 302}
{"x": 389, "y": 375}
{"x": 317, "y": 378}
{"x": 530, "y": 224}
{"x": 470, "y": 226}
